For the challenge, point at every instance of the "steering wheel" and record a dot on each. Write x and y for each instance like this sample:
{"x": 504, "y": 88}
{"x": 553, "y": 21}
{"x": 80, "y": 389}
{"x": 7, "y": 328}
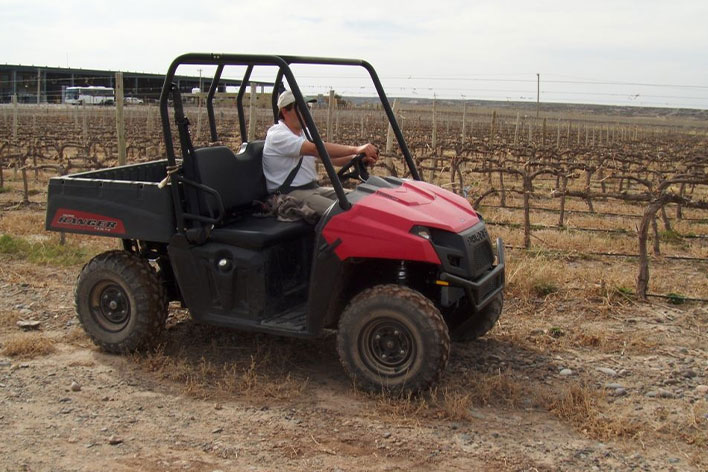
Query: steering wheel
{"x": 354, "y": 169}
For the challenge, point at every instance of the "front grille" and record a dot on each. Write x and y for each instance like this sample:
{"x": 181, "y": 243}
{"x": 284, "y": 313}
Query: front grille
{"x": 482, "y": 258}
{"x": 467, "y": 254}
{"x": 479, "y": 250}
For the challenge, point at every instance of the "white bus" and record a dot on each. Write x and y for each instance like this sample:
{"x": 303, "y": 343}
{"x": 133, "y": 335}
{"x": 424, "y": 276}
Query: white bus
{"x": 89, "y": 95}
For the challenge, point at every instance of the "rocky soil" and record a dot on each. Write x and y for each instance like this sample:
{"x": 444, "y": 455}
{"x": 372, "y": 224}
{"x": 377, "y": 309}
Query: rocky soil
{"x": 559, "y": 384}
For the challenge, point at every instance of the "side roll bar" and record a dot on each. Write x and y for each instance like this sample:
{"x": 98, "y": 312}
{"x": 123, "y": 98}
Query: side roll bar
{"x": 239, "y": 104}
{"x": 210, "y": 102}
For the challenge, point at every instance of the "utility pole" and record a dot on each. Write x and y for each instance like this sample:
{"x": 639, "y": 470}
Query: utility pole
{"x": 200, "y": 80}
{"x": 538, "y": 92}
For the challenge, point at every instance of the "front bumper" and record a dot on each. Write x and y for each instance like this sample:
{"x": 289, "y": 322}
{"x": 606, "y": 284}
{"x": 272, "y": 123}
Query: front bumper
{"x": 485, "y": 288}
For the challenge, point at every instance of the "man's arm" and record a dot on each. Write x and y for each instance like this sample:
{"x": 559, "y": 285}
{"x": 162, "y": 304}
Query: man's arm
{"x": 341, "y": 153}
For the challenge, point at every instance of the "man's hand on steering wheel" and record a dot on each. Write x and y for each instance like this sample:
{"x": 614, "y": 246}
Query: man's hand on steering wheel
{"x": 370, "y": 152}
{"x": 366, "y": 155}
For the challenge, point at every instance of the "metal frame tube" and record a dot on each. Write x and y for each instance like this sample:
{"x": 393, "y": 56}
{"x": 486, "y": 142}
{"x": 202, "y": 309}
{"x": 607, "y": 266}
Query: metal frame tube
{"x": 210, "y": 102}
{"x": 239, "y": 104}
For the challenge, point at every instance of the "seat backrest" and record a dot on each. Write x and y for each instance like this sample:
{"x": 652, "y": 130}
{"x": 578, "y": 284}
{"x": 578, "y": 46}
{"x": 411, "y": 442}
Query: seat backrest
{"x": 237, "y": 177}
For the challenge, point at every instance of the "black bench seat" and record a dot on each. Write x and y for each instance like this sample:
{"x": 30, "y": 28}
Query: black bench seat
{"x": 239, "y": 181}
{"x": 256, "y": 232}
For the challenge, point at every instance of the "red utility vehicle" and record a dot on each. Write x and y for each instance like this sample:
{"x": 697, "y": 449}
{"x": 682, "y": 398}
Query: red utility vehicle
{"x": 396, "y": 266}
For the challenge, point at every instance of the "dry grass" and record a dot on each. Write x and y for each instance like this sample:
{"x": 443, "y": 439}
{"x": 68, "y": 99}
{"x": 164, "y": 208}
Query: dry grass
{"x": 9, "y": 318}
{"x": 43, "y": 252}
{"x": 586, "y": 409}
{"x": 204, "y": 378}
{"x": 77, "y": 337}
{"x": 540, "y": 274}
{"x": 528, "y": 277}
{"x": 27, "y": 345}
{"x": 22, "y": 223}
{"x": 456, "y": 399}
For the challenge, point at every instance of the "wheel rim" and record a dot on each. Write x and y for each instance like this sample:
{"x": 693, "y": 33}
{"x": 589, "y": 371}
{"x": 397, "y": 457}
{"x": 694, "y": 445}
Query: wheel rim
{"x": 110, "y": 306}
{"x": 387, "y": 347}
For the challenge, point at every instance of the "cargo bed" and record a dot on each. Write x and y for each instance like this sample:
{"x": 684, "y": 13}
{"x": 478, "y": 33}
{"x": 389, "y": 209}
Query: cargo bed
{"x": 90, "y": 203}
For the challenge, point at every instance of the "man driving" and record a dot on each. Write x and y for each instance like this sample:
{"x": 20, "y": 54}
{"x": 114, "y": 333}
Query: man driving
{"x": 289, "y": 158}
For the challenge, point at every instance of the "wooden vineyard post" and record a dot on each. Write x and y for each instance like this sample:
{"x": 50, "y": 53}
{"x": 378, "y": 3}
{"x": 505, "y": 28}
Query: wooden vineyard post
{"x": 434, "y": 141}
{"x": 464, "y": 122}
{"x": 198, "y": 134}
{"x": 39, "y": 86}
{"x": 120, "y": 124}
{"x": 14, "y": 117}
{"x": 336, "y": 122}
{"x": 389, "y": 133}
{"x": 84, "y": 125}
{"x": 388, "y": 158}
{"x": 148, "y": 121}
{"x": 502, "y": 190}
{"x": 252, "y": 114}
{"x": 516, "y": 129}
{"x": 361, "y": 126}
{"x": 434, "y": 137}
{"x": 14, "y": 128}
{"x": 62, "y": 234}
{"x": 493, "y": 128}
{"x": 25, "y": 185}
{"x": 330, "y": 113}
{"x": 543, "y": 134}
{"x": 34, "y": 149}
{"x": 527, "y": 209}
{"x": 564, "y": 187}
{"x": 679, "y": 212}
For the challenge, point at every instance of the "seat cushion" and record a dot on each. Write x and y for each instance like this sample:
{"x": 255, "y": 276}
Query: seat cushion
{"x": 258, "y": 232}
{"x": 238, "y": 178}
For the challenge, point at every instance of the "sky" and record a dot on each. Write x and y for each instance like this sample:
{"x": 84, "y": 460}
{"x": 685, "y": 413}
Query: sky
{"x": 644, "y": 53}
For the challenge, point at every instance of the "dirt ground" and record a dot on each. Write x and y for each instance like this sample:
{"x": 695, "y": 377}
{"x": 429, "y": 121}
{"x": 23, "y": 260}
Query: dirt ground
{"x": 212, "y": 400}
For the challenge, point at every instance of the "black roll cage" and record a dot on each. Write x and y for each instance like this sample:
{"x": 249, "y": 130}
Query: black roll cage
{"x": 169, "y": 89}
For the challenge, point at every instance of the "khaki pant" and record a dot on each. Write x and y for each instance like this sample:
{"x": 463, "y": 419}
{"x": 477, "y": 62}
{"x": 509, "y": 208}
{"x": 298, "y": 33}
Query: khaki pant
{"x": 319, "y": 199}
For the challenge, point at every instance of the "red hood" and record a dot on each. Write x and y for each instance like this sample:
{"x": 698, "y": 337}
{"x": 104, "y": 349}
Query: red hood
{"x": 378, "y": 225}
{"x": 427, "y": 205}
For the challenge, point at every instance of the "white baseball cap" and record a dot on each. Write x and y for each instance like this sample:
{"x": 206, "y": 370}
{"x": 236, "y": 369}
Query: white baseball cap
{"x": 287, "y": 97}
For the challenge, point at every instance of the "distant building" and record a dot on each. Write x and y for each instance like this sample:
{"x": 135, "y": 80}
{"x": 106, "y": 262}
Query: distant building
{"x": 39, "y": 84}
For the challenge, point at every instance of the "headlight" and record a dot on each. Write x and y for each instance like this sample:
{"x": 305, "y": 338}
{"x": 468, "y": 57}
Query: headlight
{"x": 422, "y": 232}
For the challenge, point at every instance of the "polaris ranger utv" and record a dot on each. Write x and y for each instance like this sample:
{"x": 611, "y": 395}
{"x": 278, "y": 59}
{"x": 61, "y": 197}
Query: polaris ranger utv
{"x": 396, "y": 266}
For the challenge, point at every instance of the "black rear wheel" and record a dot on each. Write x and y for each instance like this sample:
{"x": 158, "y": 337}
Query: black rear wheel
{"x": 120, "y": 302}
{"x": 392, "y": 338}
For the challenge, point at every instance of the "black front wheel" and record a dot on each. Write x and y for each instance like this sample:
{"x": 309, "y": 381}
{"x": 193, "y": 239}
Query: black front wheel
{"x": 120, "y": 302}
{"x": 468, "y": 326}
{"x": 392, "y": 338}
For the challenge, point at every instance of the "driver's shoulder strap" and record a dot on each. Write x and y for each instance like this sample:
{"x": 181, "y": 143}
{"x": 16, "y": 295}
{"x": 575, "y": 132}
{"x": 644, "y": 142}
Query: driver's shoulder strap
{"x": 285, "y": 188}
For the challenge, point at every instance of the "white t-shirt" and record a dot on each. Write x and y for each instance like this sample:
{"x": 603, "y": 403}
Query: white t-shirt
{"x": 281, "y": 154}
